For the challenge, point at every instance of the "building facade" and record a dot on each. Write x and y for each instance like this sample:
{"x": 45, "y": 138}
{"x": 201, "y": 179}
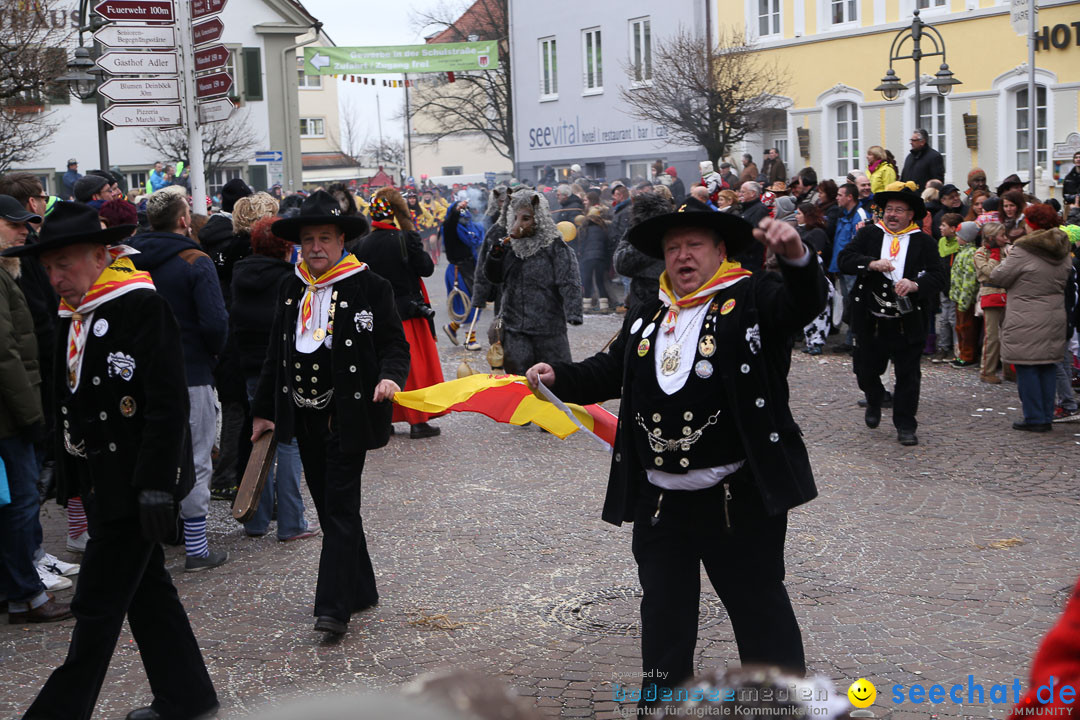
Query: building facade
{"x": 261, "y": 36}
{"x": 570, "y": 64}
{"x": 833, "y": 53}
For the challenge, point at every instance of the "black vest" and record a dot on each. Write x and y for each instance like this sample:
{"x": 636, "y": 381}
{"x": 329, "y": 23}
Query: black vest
{"x": 312, "y": 376}
{"x": 693, "y": 428}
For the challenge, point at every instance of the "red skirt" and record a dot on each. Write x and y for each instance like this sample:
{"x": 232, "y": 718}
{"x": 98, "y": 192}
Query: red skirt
{"x": 424, "y": 368}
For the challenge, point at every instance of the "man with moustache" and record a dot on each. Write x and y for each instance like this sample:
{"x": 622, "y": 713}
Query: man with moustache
{"x": 337, "y": 356}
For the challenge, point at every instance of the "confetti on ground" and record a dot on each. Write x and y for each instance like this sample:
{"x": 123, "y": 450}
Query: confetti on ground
{"x": 1001, "y": 544}
{"x": 441, "y": 621}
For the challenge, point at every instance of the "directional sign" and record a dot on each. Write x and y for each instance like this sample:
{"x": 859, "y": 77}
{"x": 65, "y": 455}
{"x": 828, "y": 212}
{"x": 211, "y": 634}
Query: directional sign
{"x": 213, "y": 84}
{"x": 203, "y": 8}
{"x": 211, "y": 58}
{"x": 270, "y": 156}
{"x": 120, "y": 89}
{"x": 206, "y": 32}
{"x": 142, "y": 115}
{"x": 136, "y": 36}
{"x": 138, "y": 63}
{"x": 216, "y": 110}
{"x": 136, "y": 10}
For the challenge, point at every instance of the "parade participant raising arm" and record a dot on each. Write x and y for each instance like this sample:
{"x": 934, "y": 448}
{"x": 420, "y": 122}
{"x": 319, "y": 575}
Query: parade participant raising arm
{"x": 124, "y": 446}
{"x": 337, "y": 354}
{"x": 707, "y": 457}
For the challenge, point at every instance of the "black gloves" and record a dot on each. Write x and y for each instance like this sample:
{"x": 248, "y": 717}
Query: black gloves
{"x": 157, "y": 515}
{"x": 46, "y": 482}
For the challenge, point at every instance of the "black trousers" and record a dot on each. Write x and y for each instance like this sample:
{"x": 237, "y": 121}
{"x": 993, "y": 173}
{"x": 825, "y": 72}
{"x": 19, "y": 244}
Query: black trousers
{"x": 873, "y": 350}
{"x": 745, "y": 565}
{"x": 346, "y": 579}
{"x": 123, "y": 574}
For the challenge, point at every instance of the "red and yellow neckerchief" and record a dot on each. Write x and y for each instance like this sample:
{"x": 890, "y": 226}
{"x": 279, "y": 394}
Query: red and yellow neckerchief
{"x": 346, "y": 266}
{"x": 729, "y": 273}
{"x": 119, "y": 278}
{"x": 894, "y": 243}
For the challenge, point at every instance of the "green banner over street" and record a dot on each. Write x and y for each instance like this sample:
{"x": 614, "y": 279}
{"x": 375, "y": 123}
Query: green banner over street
{"x": 437, "y": 57}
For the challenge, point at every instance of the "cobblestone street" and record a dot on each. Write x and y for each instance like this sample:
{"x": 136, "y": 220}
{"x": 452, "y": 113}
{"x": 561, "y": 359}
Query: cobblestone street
{"x": 894, "y": 570}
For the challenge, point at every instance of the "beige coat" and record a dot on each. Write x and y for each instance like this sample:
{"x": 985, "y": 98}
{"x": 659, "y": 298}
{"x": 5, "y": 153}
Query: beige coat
{"x": 1034, "y": 276}
{"x": 984, "y": 265}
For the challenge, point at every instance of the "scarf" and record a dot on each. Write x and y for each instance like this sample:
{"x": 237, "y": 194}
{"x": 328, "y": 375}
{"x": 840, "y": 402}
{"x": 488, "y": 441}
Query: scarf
{"x": 119, "y": 278}
{"x": 894, "y": 243}
{"x": 729, "y": 273}
{"x": 874, "y": 166}
{"x": 347, "y": 265}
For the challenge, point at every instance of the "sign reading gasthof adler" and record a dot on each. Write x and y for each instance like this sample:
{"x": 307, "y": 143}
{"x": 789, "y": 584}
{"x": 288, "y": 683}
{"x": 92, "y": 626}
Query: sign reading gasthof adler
{"x": 437, "y": 57}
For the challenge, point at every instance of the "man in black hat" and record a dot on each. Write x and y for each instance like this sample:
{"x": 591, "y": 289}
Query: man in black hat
{"x": 707, "y": 459}
{"x": 337, "y": 356}
{"x": 123, "y": 444}
{"x": 1012, "y": 182}
{"x": 899, "y": 274}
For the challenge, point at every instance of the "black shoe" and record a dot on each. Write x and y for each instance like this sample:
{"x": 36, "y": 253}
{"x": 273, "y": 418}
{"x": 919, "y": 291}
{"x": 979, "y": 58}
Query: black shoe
{"x": 423, "y": 430}
{"x": 215, "y": 559}
{"x": 327, "y": 624}
{"x": 958, "y": 363}
{"x": 907, "y": 437}
{"x": 1032, "y": 427}
{"x": 144, "y": 713}
{"x": 872, "y": 416}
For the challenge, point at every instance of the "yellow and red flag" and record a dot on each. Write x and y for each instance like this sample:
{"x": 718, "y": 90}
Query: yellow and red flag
{"x": 508, "y": 399}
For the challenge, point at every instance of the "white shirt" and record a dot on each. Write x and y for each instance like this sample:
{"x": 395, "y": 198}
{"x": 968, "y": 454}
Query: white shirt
{"x": 87, "y": 328}
{"x": 320, "y": 315}
{"x": 897, "y": 273}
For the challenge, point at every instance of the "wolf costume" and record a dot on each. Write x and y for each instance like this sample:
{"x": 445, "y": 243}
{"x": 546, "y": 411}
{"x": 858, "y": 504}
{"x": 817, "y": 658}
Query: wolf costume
{"x": 541, "y": 286}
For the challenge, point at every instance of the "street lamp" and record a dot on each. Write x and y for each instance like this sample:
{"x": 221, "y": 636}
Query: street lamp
{"x": 80, "y": 77}
{"x": 891, "y": 87}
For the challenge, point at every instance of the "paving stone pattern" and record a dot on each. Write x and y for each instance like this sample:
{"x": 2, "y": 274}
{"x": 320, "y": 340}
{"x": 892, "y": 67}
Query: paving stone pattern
{"x": 891, "y": 570}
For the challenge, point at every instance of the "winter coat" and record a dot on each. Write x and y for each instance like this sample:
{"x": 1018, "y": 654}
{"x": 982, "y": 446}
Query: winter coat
{"x": 593, "y": 240}
{"x": 1034, "y": 275}
{"x": 401, "y": 259}
{"x": 185, "y": 276}
{"x": 985, "y": 262}
{"x": 774, "y": 170}
{"x": 1071, "y": 184}
{"x": 922, "y": 166}
{"x": 748, "y": 174}
{"x": 643, "y": 270}
{"x": 845, "y": 231}
{"x": 814, "y": 238}
{"x": 569, "y": 210}
{"x": 224, "y": 248}
{"x": 678, "y": 190}
{"x": 256, "y": 283}
{"x": 540, "y": 293}
{"x": 20, "y": 378}
{"x": 883, "y": 175}
{"x": 963, "y": 284}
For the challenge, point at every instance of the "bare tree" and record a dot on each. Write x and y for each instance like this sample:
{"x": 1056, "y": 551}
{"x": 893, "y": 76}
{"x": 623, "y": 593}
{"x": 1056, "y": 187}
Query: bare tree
{"x": 352, "y": 139}
{"x": 478, "y": 102}
{"x": 706, "y": 96}
{"x": 224, "y": 143}
{"x": 387, "y": 152}
{"x": 33, "y": 41}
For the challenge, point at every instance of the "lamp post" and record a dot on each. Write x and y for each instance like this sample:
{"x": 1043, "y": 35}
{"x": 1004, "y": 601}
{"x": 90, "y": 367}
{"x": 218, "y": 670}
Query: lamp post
{"x": 83, "y": 79}
{"x": 891, "y": 87}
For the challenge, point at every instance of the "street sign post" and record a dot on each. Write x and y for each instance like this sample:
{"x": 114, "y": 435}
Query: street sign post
{"x": 141, "y": 89}
{"x": 207, "y": 32}
{"x": 136, "y": 36}
{"x": 275, "y": 165}
{"x": 211, "y": 58}
{"x": 136, "y": 10}
{"x": 216, "y": 110}
{"x": 205, "y": 8}
{"x": 1019, "y": 14}
{"x": 142, "y": 115}
{"x": 212, "y": 85}
{"x": 138, "y": 63}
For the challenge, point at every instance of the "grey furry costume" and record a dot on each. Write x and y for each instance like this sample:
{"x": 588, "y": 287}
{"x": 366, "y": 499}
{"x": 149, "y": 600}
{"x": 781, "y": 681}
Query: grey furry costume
{"x": 541, "y": 287}
{"x": 643, "y": 271}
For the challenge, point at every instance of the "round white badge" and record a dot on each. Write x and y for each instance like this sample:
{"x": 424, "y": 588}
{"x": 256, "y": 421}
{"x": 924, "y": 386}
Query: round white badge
{"x": 648, "y": 330}
{"x": 636, "y": 326}
{"x": 101, "y": 327}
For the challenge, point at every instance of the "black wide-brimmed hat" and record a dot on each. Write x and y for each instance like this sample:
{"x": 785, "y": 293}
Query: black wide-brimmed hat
{"x": 1011, "y": 181}
{"x": 320, "y": 208}
{"x": 906, "y": 195}
{"x": 648, "y": 236}
{"x": 71, "y": 223}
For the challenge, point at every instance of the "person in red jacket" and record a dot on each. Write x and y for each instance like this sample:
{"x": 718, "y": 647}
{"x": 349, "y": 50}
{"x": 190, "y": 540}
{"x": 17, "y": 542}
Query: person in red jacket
{"x": 1056, "y": 665}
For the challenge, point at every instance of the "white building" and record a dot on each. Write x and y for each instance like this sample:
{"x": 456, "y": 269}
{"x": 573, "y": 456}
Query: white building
{"x": 568, "y": 71}
{"x": 262, "y": 36}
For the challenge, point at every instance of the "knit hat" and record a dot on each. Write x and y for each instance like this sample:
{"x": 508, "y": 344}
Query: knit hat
{"x": 87, "y": 186}
{"x": 968, "y": 231}
{"x": 118, "y": 212}
{"x": 233, "y": 191}
{"x": 976, "y": 172}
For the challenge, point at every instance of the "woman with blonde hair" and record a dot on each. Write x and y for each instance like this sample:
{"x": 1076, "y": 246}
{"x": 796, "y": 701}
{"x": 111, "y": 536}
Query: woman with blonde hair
{"x": 248, "y": 210}
{"x": 394, "y": 250}
{"x": 881, "y": 167}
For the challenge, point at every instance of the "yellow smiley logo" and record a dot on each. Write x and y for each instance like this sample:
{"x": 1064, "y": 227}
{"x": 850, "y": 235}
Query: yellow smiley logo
{"x": 862, "y": 693}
